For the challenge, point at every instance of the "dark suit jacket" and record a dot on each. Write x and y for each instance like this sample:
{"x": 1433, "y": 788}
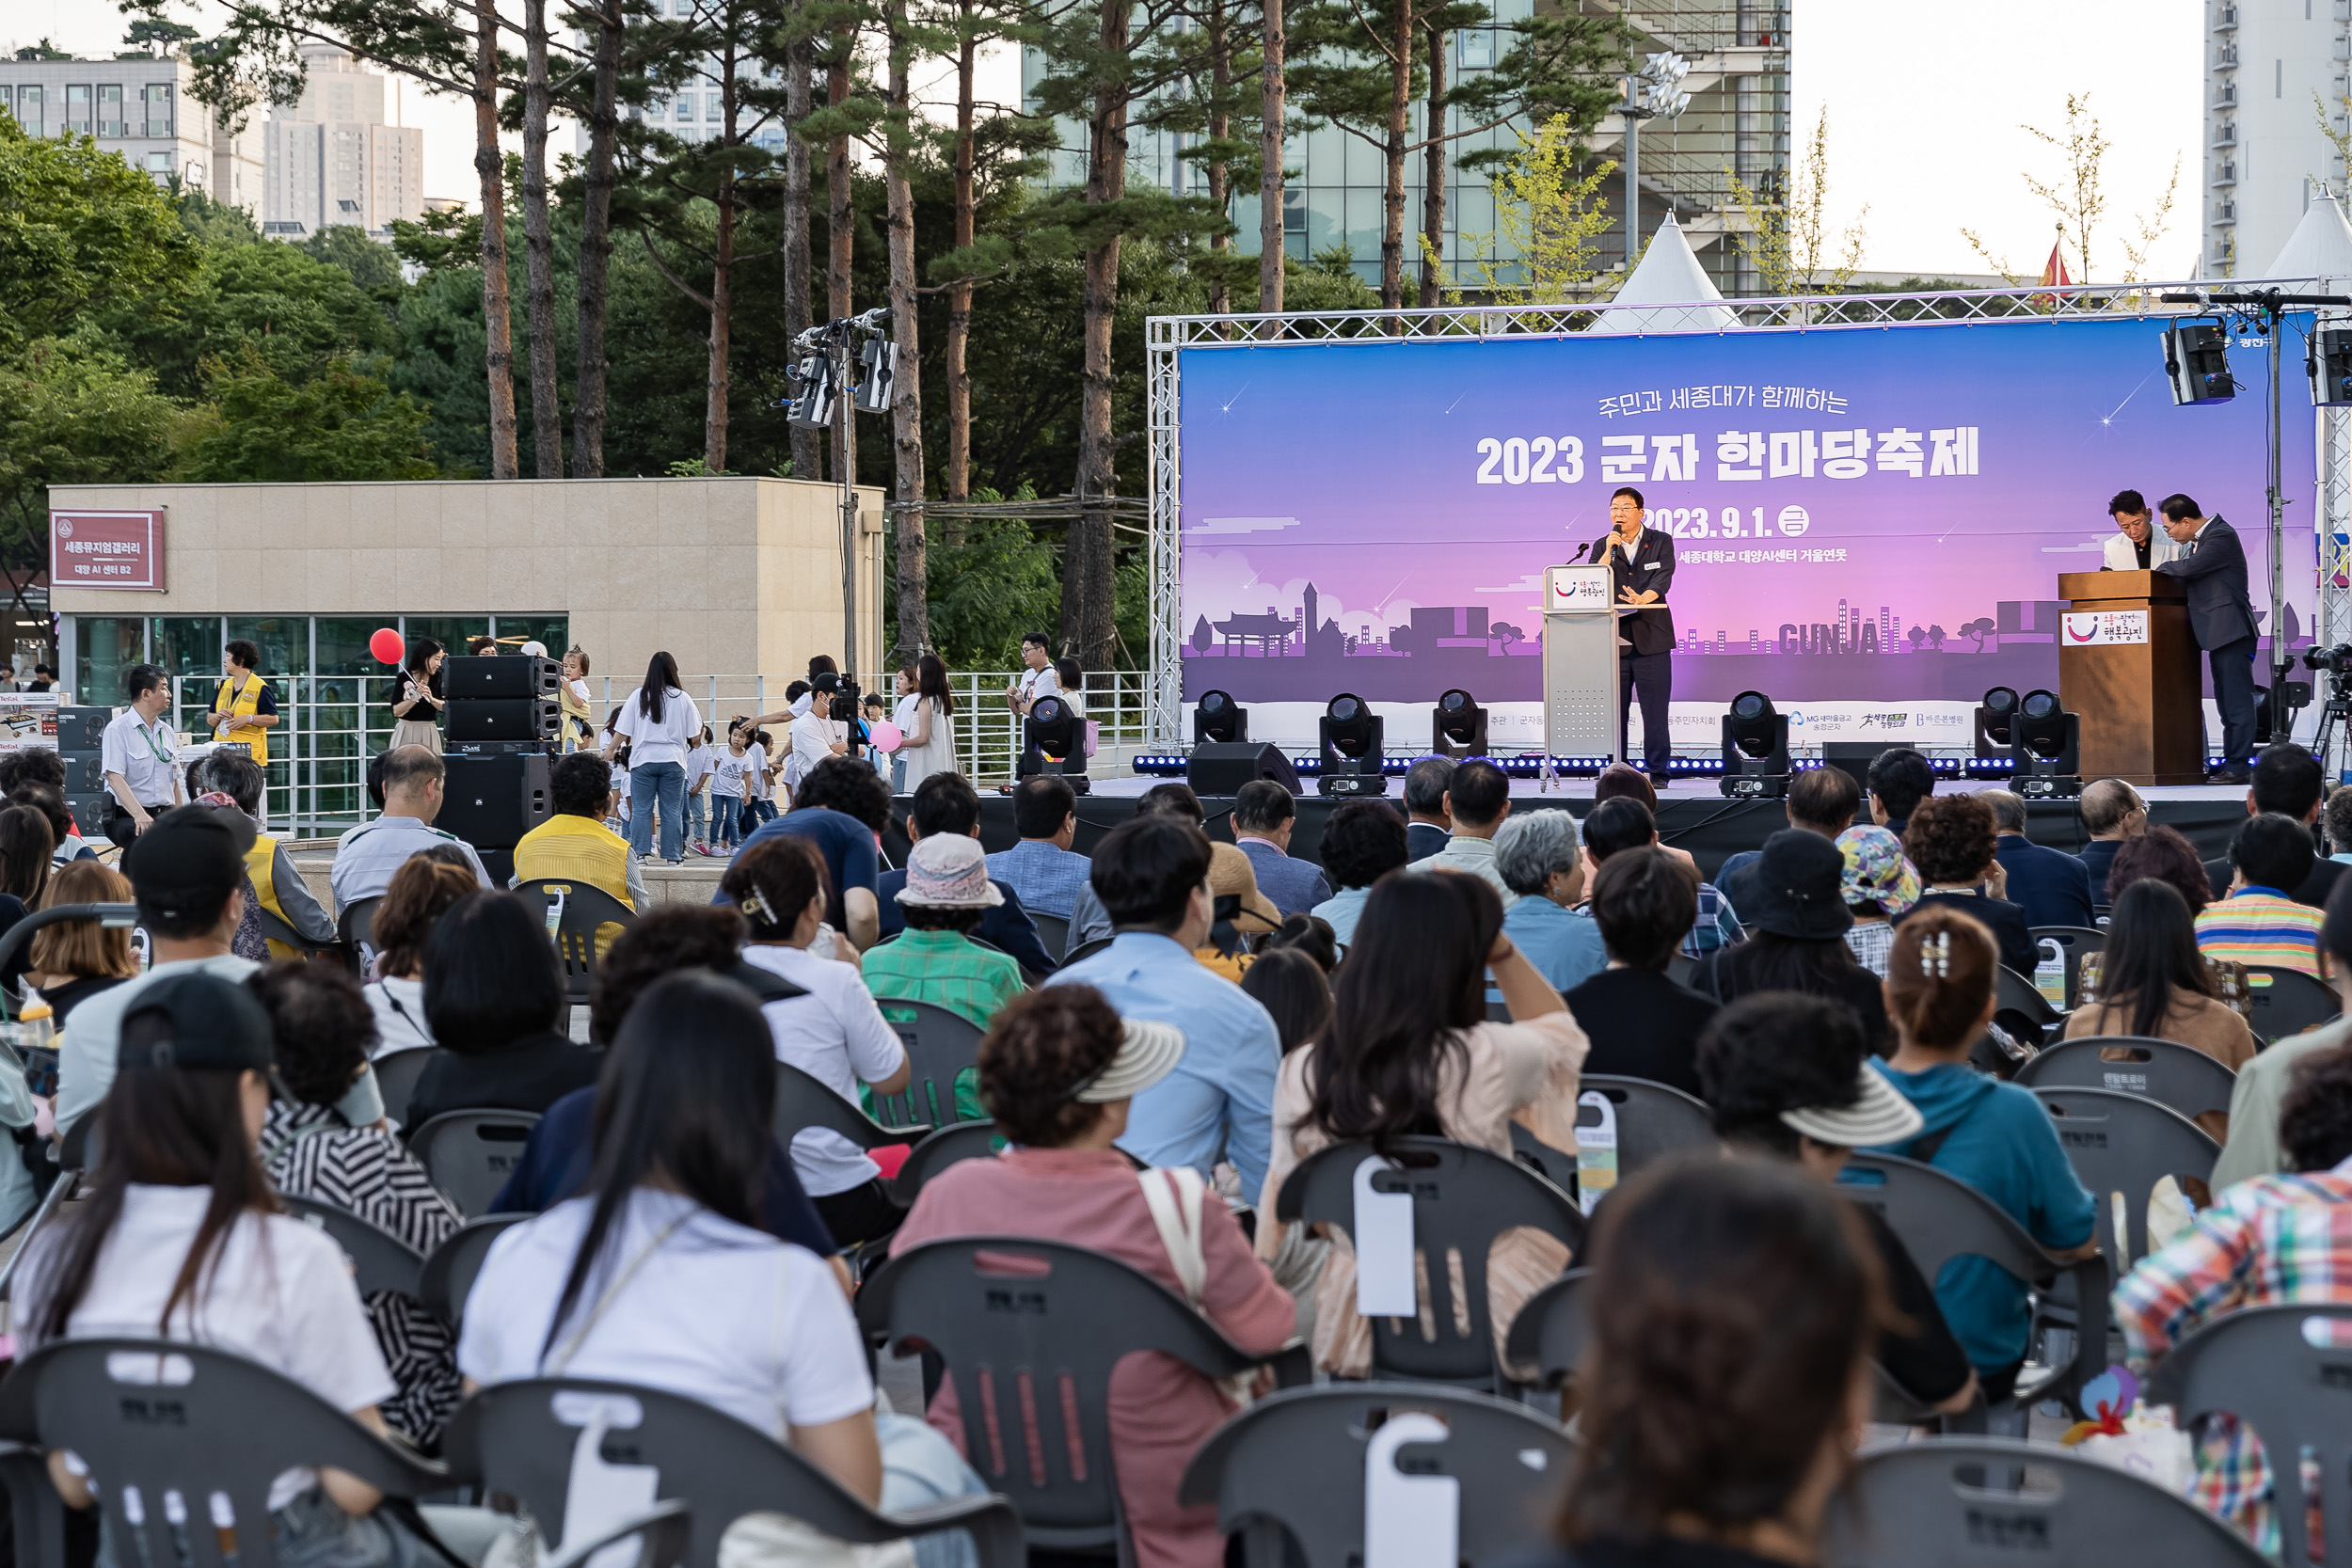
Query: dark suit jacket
{"x": 2053, "y": 888}
{"x": 1423, "y": 839}
{"x": 1294, "y": 885}
{"x": 1642, "y": 1025}
{"x": 2219, "y": 611}
{"x": 2314, "y": 891}
{"x": 2098, "y": 858}
{"x": 2005, "y": 920}
{"x": 1652, "y": 569}
{"x": 1006, "y": 927}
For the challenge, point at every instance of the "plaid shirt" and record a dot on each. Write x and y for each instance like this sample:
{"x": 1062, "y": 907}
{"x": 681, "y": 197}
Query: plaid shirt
{"x": 943, "y": 968}
{"x": 2267, "y": 1241}
{"x": 2261, "y": 927}
{"x": 1048, "y": 879}
{"x": 1716, "y": 925}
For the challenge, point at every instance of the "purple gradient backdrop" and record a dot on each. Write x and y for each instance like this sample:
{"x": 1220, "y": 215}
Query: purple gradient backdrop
{"x": 1355, "y": 469}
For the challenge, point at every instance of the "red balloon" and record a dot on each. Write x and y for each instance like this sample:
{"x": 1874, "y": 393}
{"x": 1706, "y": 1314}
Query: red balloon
{"x": 387, "y": 646}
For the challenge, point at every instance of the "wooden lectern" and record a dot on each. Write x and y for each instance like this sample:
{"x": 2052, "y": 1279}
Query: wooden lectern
{"x": 2127, "y": 666}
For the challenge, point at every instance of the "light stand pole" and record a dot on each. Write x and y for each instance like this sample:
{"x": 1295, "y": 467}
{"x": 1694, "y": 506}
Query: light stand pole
{"x": 829, "y": 366}
{"x": 1634, "y": 113}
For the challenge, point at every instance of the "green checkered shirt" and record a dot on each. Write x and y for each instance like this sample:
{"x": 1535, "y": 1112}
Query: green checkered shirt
{"x": 943, "y": 968}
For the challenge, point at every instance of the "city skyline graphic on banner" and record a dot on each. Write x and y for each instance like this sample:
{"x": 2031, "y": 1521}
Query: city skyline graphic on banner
{"x": 1858, "y": 512}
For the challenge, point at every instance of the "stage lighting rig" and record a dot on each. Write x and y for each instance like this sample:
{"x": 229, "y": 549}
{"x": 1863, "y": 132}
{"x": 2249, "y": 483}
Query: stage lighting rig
{"x": 2046, "y": 744}
{"x": 1994, "y": 715}
{"x": 2197, "y": 361}
{"x": 836, "y": 367}
{"x": 1457, "y": 727}
{"x": 1353, "y": 737}
{"x": 2328, "y": 361}
{"x": 1216, "y": 718}
{"x": 1756, "y": 748}
{"x": 1053, "y": 740}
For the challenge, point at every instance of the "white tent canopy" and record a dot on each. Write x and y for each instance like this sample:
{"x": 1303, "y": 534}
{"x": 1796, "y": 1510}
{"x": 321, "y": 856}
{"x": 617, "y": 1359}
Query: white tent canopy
{"x": 1669, "y": 275}
{"x": 2320, "y": 246}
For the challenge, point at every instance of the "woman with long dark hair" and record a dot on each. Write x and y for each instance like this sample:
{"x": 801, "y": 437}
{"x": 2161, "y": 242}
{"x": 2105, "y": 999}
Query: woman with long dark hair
{"x": 659, "y": 723}
{"x": 930, "y": 735}
{"x": 1735, "y": 1306}
{"x": 1791, "y": 898}
{"x": 2154, "y": 982}
{"x": 1409, "y": 1051}
{"x": 417, "y": 697}
{"x": 495, "y": 1006}
{"x": 2164, "y": 855}
{"x": 184, "y": 1238}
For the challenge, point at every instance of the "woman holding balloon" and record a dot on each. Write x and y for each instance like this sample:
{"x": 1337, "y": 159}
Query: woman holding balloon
{"x": 417, "y": 699}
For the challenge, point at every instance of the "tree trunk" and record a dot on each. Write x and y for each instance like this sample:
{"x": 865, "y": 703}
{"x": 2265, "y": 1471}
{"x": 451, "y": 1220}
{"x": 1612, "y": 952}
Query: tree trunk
{"x": 721, "y": 285}
{"x": 906, "y": 400}
{"x": 490, "y": 168}
{"x": 1393, "y": 198}
{"x": 1220, "y": 176}
{"x": 1088, "y": 608}
{"x": 595, "y": 246}
{"x": 546, "y": 394}
{"x": 1433, "y": 174}
{"x": 838, "y": 238}
{"x": 958, "y": 478}
{"x": 1270, "y": 152}
{"x": 799, "y": 63}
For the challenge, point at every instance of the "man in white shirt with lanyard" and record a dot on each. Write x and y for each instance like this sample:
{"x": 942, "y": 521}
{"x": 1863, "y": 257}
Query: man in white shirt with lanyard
{"x": 1038, "y": 679}
{"x": 816, "y": 734}
{"x": 139, "y": 755}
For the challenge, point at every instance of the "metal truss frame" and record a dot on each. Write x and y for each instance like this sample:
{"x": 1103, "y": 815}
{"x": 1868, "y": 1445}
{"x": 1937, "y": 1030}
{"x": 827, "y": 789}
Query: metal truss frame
{"x": 1165, "y": 337}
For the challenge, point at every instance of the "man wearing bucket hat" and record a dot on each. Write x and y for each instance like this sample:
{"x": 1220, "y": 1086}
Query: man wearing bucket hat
{"x": 1879, "y": 886}
{"x": 1789, "y": 1078}
{"x": 1791, "y": 900}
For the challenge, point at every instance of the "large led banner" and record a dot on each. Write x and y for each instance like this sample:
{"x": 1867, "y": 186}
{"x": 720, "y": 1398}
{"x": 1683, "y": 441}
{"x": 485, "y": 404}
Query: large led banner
{"x": 1872, "y": 514}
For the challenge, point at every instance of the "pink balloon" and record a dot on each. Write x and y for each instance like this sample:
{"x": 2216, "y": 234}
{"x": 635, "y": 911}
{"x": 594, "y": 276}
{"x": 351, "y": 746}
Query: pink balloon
{"x": 888, "y": 736}
{"x": 387, "y": 646}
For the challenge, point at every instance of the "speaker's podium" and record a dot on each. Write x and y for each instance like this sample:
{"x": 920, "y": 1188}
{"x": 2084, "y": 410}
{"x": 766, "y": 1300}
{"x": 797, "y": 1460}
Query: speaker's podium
{"x": 2129, "y": 668}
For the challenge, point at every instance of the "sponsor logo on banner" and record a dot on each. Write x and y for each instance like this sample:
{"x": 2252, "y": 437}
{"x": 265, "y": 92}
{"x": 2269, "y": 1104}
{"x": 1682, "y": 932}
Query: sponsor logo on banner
{"x": 1943, "y": 723}
{"x": 2089, "y": 627}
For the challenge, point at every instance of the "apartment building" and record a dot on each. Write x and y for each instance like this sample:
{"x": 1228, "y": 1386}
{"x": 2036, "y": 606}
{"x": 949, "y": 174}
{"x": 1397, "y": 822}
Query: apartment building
{"x": 138, "y": 107}
{"x": 2276, "y": 108}
{"x": 337, "y": 155}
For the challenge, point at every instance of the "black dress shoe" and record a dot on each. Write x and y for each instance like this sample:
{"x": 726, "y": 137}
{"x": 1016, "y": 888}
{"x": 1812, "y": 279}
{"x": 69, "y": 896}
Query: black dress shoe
{"x": 2230, "y": 775}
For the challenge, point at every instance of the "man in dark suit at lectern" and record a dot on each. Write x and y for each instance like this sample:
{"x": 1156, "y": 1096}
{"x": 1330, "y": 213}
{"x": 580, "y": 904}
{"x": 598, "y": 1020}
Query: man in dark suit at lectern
{"x": 2213, "y": 565}
{"x": 1641, "y": 561}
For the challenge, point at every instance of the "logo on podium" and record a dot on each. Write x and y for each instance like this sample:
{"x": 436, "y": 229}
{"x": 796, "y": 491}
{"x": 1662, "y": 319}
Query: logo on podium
{"x": 2091, "y": 627}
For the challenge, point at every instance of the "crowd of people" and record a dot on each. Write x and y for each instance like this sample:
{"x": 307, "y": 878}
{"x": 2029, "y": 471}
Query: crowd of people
{"x": 1169, "y": 1024}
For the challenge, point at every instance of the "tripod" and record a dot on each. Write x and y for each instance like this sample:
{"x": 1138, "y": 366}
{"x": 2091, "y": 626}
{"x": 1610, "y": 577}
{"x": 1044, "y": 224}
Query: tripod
{"x": 2337, "y": 710}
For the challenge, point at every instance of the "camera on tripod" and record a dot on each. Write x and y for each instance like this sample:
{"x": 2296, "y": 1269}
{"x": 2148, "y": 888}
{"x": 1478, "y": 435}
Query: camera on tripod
{"x": 841, "y": 699}
{"x": 2335, "y": 661}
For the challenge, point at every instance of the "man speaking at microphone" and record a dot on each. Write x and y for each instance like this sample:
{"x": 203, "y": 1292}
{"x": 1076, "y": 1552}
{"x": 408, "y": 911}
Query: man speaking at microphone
{"x": 1641, "y": 561}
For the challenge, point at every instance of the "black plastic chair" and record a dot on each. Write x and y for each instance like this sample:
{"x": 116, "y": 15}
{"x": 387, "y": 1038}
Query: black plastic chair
{"x": 2124, "y": 1144}
{"x": 1928, "y": 1501}
{"x": 450, "y": 1270}
{"x": 2074, "y": 941}
{"x": 939, "y": 1044}
{"x": 1053, "y": 933}
{"x": 1680, "y": 968}
{"x": 514, "y": 1438}
{"x": 2179, "y": 1077}
{"x": 380, "y": 1259}
{"x": 2288, "y": 1002}
{"x": 804, "y": 1101}
{"x": 2020, "y": 1008}
{"x": 355, "y": 928}
{"x": 1294, "y": 1464}
{"x": 587, "y": 908}
{"x": 396, "y": 1078}
{"x": 964, "y": 1140}
{"x": 162, "y": 1416}
{"x": 1030, "y": 1330}
{"x": 2260, "y": 1364}
{"x": 1087, "y": 950}
{"x": 1654, "y": 1120}
{"x": 469, "y": 1154}
{"x": 1940, "y": 1218}
{"x": 1463, "y": 1199}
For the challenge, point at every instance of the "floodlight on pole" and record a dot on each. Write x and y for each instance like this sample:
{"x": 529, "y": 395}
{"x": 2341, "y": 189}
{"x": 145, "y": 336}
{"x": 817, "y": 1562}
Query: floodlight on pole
{"x": 1655, "y": 92}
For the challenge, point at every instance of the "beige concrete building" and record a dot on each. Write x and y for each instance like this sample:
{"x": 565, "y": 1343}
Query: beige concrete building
{"x": 138, "y": 107}
{"x": 338, "y": 154}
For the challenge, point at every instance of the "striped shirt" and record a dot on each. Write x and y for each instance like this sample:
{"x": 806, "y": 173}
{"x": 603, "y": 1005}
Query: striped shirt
{"x": 2261, "y": 927}
{"x": 2268, "y": 1239}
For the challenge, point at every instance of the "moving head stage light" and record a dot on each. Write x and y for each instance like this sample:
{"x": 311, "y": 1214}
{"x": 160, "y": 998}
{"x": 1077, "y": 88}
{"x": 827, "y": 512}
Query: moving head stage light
{"x": 1756, "y": 748}
{"x": 1994, "y": 715}
{"x": 1218, "y": 718}
{"x": 1352, "y": 737}
{"x": 2046, "y": 744}
{"x": 1457, "y": 727}
{"x": 1053, "y": 740}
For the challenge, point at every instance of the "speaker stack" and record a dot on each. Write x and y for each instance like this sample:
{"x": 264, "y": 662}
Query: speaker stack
{"x": 501, "y": 729}
{"x": 81, "y": 741}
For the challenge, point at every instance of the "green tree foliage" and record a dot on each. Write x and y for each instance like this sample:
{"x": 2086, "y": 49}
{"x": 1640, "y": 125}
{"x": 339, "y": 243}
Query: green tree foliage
{"x": 293, "y": 311}
{"x": 373, "y": 267}
{"x": 336, "y": 423}
{"x": 80, "y": 231}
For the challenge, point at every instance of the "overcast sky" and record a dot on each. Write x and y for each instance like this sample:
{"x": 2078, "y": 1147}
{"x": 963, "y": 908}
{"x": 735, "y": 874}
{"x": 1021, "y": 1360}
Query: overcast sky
{"x": 1925, "y": 105}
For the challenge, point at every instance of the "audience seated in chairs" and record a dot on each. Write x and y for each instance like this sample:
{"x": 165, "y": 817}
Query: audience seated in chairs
{"x": 2162, "y": 854}
{"x": 182, "y": 1239}
{"x": 2256, "y": 923}
{"x": 276, "y": 886}
{"x": 422, "y": 891}
{"x": 494, "y": 1000}
{"x": 1409, "y": 1051}
{"x": 1642, "y": 1023}
{"x": 1060, "y": 1071}
{"x": 26, "y": 845}
{"x": 1041, "y": 867}
{"x": 839, "y": 807}
{"x": 76, "y": 959}
{"x": 1792, "y": 900}
{"x": 946, "y": 803}
{"x": 1295, "y": 990}
{"x": 573, "y": 844}
{"x": 1089, "y": 921}
{"x": 2152, "y": 982}
{"x": 2269, "y": 1241}
{"x": 1992, "y": 1136}
{"x": 836, "y": 1033}
{"x": 1950, "y": 838}
{"x": 1265, "y": 814}
{"x": 1477, "y": 800}
{"x": 1362, "y": 842}
{"x": 555, "y": 1159}
{"x": 1540, "y": 859}
{"x": 1623, "y": 821}
{"x": 660, "y": 1274}
{"x": 1790, "y": 1078}
{"x": 2052, "y": 887}
{"x": 322, "y": 1031}
{"x": 1879, "y": 885}
{"x": 1244, "y": 915}
{"x": 1735, "y": 1308}
{"x": 2260, "y": 1091}
{"x": 947, "y": 894}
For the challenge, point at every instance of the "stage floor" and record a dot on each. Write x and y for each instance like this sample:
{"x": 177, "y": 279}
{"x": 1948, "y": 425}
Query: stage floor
{"x": 1688, "y": 789}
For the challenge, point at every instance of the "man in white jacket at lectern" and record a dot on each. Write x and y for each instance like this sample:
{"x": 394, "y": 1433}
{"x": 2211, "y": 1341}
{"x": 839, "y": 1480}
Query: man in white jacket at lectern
{"x": 2139, "y": 544}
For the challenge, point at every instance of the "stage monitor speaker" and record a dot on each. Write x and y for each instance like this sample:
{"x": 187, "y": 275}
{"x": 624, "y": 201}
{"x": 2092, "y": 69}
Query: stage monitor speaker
{"x": 504, "y": 718}
{"x": 1222, "y": 767}
{"x": 1856, "y": 757}
{"x": 83, "y": 729}
{"x": 490, "y": 802}
{"x": 500, "y": 675}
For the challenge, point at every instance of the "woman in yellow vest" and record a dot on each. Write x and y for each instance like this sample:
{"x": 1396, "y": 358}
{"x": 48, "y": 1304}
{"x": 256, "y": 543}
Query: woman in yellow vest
{"x": 573, "y": 845}
{"x": 246, "y": 706}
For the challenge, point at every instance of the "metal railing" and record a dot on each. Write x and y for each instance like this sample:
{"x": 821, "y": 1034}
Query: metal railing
{"x": 330, "y": 725}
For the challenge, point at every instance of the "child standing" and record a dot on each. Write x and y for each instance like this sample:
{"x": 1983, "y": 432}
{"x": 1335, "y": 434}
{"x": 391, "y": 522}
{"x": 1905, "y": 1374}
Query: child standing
{"x": 758, "y": 780}
{"x": 727, "y": 766}
{"x": 620, "y": 790}
{"x": 697, "y": 798}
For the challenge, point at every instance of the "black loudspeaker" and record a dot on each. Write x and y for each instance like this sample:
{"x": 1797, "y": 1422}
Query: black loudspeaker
{"x": 83, "y": 729}
{"x": 500, "y": 675}
{"x": 85, "y": 773}
{"x": 490, "y": 802}
{"x": 1222, "y": 767}
{"x": 1854, "y": 757}
{"x": 90, "y": 814}
{"x": 504, "y": 718}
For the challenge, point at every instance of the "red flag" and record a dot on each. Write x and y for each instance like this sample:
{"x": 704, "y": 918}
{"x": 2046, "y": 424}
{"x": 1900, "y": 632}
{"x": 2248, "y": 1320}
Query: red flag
{"x": 2054, "y": 271}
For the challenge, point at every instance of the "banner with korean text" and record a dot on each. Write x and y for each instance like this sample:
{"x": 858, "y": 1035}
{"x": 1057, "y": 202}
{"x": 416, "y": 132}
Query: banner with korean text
{"x": 1865, "y": 515}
